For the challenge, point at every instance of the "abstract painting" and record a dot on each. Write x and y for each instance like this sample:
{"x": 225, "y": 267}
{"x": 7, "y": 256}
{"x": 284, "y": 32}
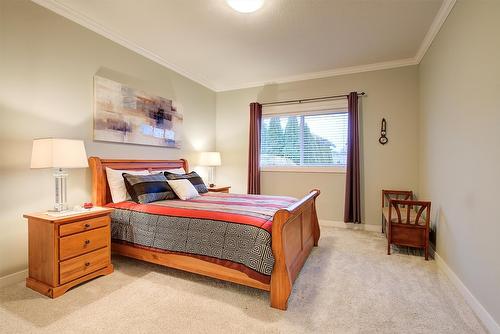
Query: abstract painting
{"x": 125, "y": 115}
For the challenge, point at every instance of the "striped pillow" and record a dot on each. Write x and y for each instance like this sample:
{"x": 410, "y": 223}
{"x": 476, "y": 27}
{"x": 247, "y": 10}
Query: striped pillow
{"x": 148, "y": 188}
{"x": 193, "y": 177}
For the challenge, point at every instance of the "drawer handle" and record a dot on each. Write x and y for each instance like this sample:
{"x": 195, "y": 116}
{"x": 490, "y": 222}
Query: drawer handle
{"x": 87, "y": 242}
{"x": 87, "y": 264}
{"x": 87, "y": 225}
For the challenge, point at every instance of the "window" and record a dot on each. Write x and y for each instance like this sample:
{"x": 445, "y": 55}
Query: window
{"x": 309, "y": 141}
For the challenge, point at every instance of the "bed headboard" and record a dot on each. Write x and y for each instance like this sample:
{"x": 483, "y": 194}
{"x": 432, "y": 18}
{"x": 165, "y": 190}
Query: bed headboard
{"x": 100, "y": 188}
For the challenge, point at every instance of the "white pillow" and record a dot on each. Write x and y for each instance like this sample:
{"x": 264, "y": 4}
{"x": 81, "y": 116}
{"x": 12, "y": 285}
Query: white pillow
{"x": 117, "y": 184}
{"x": 174, "y": 171}
{"x": 183, "y": 189}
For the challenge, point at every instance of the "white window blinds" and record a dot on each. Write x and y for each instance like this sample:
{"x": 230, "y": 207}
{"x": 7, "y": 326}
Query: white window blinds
{"x": 311, "y": 138}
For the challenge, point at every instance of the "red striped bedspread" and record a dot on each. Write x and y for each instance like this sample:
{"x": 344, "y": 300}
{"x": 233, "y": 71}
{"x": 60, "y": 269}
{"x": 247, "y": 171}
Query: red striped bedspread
{"x": 220, "y": 226}
{"x": 255, "y": 210}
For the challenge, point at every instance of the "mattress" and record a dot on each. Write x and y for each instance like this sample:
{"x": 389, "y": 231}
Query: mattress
{"x": 228, "y": 229}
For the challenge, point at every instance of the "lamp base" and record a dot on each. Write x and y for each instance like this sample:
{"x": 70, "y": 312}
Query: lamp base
{"x": 211, "y": 176}
{"x": 60, "y": 176}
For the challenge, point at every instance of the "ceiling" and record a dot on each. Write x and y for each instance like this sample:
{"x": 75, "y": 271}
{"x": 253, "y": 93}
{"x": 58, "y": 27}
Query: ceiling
{"x": 286, "y": 40}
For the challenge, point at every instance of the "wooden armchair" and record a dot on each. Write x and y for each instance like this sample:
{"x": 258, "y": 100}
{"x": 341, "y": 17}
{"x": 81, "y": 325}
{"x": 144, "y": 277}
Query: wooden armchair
{"x": 405, "y": 221}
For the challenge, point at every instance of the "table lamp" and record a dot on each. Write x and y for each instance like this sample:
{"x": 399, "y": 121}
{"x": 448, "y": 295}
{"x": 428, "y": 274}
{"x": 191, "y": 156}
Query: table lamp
{"x": 211, "y": 160}
{"x": 59, "y": 154}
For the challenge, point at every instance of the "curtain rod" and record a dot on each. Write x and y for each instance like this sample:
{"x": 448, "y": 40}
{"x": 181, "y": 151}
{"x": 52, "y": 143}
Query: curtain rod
{"x": 333, "y": 97}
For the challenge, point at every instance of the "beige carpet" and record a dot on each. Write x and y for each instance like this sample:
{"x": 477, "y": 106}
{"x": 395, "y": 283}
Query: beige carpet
{"x": 348, "y": 285}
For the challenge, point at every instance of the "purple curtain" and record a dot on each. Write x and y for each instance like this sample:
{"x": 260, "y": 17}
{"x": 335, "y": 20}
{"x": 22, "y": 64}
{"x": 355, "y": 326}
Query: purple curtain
{"x": 352, "y": 209}
{"x": 254, "y": 149}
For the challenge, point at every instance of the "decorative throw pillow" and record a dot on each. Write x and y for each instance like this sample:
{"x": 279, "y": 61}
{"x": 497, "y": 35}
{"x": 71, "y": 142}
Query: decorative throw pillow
{"x": 148, "y": 188}
{"x": 117, "y": 184}
{"x": 173, "y": 171}
{"x": 183, "y": 189}
{"x": 193, "y": 177}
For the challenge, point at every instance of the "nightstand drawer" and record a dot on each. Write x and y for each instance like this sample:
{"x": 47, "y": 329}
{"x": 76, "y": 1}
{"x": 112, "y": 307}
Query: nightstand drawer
{"x": 83, "y": 242}
{"x": 83, "y": 265}
{"x": 83, "y": 225}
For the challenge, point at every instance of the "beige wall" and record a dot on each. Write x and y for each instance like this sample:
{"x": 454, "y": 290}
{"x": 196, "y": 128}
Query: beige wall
{"x": 47, "y": 66}
{"x": 459, "y": 145}
{"x": 392, "y": 94}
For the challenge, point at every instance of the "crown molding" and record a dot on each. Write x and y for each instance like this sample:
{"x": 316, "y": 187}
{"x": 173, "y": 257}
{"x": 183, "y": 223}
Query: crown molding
{"x": 90, "y": 24}
{"x": 434, "y": 28}
{"x": 325, "y": 74}
{"x": 436, "y": 25}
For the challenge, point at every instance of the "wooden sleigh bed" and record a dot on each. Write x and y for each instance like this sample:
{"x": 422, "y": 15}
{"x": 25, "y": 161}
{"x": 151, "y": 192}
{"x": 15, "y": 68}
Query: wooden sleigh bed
{"x": 295, "y": 230}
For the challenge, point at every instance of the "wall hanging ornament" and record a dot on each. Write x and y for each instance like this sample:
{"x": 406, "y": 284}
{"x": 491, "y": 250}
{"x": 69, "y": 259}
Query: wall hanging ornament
{"x": 383, "y": 132}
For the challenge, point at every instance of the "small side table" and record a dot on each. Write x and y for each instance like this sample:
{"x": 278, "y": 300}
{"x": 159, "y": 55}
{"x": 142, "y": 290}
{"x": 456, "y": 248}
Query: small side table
{"x": 67, "y": 250}
{"x": 219, "y": 189}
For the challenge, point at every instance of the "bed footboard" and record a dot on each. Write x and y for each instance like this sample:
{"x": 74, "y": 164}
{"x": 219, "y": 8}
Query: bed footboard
{"x": 294, "y": 233}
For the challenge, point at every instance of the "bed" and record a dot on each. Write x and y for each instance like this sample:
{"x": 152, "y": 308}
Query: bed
{"x": 254, "y": 240}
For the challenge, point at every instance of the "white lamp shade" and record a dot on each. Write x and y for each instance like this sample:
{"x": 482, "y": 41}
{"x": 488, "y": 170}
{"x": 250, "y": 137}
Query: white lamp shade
{"x": 210, "y": 159}
{"x": 58, "y": 153}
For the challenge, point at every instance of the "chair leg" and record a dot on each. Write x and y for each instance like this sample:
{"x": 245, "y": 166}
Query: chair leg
{"x": 427, "y": 244}
{"x": 388, "y": 234}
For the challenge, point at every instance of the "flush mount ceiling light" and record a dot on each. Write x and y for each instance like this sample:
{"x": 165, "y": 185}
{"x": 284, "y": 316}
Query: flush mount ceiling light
{"x": 245, "y": 6}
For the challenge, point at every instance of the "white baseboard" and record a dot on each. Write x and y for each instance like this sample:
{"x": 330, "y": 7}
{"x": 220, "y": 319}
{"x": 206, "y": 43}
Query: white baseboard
{"x": 13, "y": 278}
{"x": 362, "y": 227}
{"x": 476, "y": 306}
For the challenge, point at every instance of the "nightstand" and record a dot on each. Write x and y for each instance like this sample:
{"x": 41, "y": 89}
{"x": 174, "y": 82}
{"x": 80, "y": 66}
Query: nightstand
{"x": 219, "y": 189}
{"x": 69, "y": 250}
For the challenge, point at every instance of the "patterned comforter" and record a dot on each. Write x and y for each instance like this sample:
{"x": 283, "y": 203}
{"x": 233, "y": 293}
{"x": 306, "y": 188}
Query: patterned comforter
{"x": 217, "y": 227}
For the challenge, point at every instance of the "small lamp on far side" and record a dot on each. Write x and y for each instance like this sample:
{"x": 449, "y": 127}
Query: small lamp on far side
{"x": 211, "y": 160}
